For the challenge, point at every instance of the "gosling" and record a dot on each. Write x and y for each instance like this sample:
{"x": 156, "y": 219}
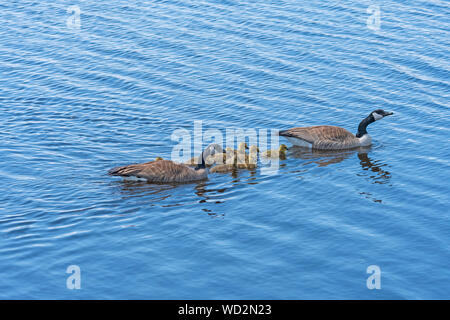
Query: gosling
{"x": 229, "y": 164}
{"x": 250, "y": 161}
{"x": 218, "y": 158}
{"x": 276, "y": 153}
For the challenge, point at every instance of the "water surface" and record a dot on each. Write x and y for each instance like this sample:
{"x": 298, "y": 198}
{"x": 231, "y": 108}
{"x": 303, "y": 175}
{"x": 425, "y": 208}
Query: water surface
{"x": 76, "y": 102}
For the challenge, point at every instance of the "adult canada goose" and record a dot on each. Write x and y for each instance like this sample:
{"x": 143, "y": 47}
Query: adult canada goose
{"x": 167, "y": 171}
{"x": 333, "y": 138}
{"x": 276, "y": 153}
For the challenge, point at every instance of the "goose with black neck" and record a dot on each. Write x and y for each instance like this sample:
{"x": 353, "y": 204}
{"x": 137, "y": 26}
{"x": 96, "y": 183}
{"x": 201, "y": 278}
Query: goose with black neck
{"x": 332, "y": 137}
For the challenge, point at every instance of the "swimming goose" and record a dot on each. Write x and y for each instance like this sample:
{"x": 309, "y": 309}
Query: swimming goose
{"x": 237, "y": 153}
{"x": 250, "y": 160}
{"x": 167, "y": 171}
{"x": 209, "y": 161}
{"x": 333, "y": 138}
{"x": 276, "y": 153}
{"x": 238, "y": 159}
{"x": 240, "y": 153}
{"x": 241, "y": 148}
{"x": 252, "y": 152}
{"x": 229, "y": 163}
{"x": 217, "y": 158}
{"x": 229, "y": 157}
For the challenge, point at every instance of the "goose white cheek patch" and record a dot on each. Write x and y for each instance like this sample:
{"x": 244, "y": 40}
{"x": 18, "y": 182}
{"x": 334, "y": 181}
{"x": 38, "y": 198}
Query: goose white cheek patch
{"x": 377, "y": 116}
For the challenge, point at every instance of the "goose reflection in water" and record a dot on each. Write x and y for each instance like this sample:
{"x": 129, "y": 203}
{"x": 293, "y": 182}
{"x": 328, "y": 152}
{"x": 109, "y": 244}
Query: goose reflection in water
{"x": 380, "y": 176}
{"x": 324, "y": 158}
{"x": 171, "y": 195}
{"x": 156, "y": 192}
{"x": 133, "y": 188}
{"x": 207, "y": 195}
{"x": 377, "y": 173}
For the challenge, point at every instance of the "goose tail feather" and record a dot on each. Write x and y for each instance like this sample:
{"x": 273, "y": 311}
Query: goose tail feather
{"x": 284, "y": 133}
{"x": 117, "y": 171}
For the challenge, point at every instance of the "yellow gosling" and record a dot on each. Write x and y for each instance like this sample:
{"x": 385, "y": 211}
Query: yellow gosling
{"x": 221, "y": 158}
{"x": 250, "y": 160}
{"x": 241, "y": 148}
{"x": 209, "y": 161}
{"x": 276, "y": 153}
{"x": 229, "y": 163}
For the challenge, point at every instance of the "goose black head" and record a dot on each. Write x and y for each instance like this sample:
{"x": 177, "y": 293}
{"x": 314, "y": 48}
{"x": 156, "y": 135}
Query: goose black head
{"x": 372, "y": 117}
{"x": 210, "y": 150}
{"x": 380, "y": 114}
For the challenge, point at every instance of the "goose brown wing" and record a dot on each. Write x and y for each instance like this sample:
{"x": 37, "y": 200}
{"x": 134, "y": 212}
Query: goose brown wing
{"x": 328, "y": 144}
{"x": 156, "y": 171}
{"x": 317, "y": 134}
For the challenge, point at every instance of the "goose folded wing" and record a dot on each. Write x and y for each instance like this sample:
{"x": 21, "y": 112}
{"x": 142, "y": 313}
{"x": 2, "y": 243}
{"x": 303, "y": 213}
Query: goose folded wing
{"x": 162, "y": 170}
{"x": 299, "y": 133}
{"x": 329, "y": 144}
{"x": 316, "y": 134}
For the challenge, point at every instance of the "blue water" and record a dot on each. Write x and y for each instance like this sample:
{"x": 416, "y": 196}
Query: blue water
{"x": 75, "y": 102}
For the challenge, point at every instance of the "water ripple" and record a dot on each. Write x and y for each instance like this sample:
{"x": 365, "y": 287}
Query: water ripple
{"x": 76, "y": 102}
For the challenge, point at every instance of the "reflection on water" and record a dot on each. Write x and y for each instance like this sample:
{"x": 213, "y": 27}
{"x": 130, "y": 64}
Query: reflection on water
{"x": 372, "y": 169}
{"x": 144, "y": 72}
{"x": 380, "y": 176}
{"x": 130, "y": 189}
{"x": 203, "y": 192}
{"x": 207, "y": 192}
{"x": 172, "y": 195}
{"x": 324, "y": 158}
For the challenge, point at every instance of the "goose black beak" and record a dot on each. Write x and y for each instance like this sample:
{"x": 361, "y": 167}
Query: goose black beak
{"x": 388, "y": 113}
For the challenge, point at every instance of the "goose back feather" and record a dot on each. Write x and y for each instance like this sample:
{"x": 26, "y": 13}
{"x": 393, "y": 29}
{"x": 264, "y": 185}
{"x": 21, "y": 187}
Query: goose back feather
{"x": 334, "y": 138}
{"x": 323, "y": 137}
{"x": 161, "y": 171}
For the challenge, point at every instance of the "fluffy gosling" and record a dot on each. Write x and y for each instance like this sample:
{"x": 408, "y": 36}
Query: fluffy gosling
{"x": 250, "y": 160}
{"x": 276, "y": 153}
{"x": 228, "y": 164}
